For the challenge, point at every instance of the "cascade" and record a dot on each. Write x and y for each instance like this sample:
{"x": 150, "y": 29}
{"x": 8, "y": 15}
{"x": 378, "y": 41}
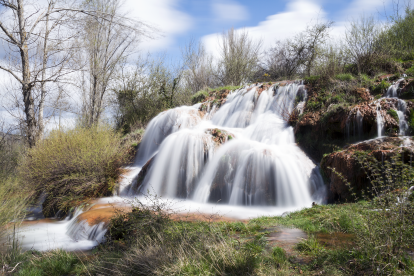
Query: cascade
{"x": 261, "y": 166}
{"x": 402, "y": 107}
{"x": 241, "y": 155}
{"x": 380, "y": 120}
{"x": 355, "y": 119}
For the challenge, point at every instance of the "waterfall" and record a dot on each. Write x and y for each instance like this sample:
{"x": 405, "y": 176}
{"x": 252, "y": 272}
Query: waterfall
{"x": 380, "y": 120}
{"x": 356, "y": 122}
{"x": 402, "y": 107}
{"x": 392, "y": 91}
{"x": 261, "y": 166}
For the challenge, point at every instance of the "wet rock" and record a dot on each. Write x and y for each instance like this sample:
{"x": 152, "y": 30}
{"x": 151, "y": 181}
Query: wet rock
{"x": 346, "y": 164}
{"x": 137, "y": 182}
{"x": 407, "y": 91}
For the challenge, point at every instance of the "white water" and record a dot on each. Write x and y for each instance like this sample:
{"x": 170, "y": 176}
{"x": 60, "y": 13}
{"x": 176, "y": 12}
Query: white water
{"x": 356, "y": 121}
{"x": 380, "y": 120}
{"x": 392, "y": 92}
{"x": 69, "y": 234}
{"x": 260, "y": 171}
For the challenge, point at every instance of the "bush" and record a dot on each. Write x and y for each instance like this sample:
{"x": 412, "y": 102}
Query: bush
{"x": 410, "y": 71}
{"x": 344, "y": 77}
{"x": 200, "y": 96}
{"x": 381, "y": 87}
{"x": 75, "y": 165}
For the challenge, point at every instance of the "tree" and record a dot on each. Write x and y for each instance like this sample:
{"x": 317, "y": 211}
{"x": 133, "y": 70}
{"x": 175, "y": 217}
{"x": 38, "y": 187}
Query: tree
{"x": 299, "y": 54}
{"x": 239, "y": 57}
{"x": 107, "y": 42}
{"x": 361, "y": 39}
{"x": 198, "y": 67}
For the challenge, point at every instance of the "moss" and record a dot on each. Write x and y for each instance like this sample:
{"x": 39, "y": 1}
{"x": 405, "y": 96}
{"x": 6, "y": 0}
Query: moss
{"x": 200, "y": 96}
{"x": 229, "y": 137}
{"x": 393, "y": 114}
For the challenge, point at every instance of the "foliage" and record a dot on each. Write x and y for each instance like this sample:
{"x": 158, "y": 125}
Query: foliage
{"x": 381, "y": 87}
{"x": 198, "y": 97}
{"x": 410, "y": 71}
{"x": 74, "y": 165}
{"x": 14, "y": 196}
{"x": 387, "y": 230}
{"x": 345, "y": 77}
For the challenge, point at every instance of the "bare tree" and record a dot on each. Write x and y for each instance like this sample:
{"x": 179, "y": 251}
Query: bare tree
{"x": 361, "y": 37}
{"x": 107, "y": 43}
{"x": 198, "y": 67}
{"x": 239, "y": 57}
{"x": 297, "y": 55}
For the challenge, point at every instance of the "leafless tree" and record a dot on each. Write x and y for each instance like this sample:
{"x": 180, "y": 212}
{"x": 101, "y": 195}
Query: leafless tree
{"x": 107, "y": 42}
{"x": 239, "y": 57}
{"x": 297, "y": 55}
{"x": 39, "y": 39}
{"x": 198, "y": 67}
{"x": 361, "y": 37}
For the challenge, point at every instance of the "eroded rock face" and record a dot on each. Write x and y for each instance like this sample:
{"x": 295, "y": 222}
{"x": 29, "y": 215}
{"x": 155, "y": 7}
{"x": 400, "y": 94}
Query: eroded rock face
{"x": 345, "y": 162}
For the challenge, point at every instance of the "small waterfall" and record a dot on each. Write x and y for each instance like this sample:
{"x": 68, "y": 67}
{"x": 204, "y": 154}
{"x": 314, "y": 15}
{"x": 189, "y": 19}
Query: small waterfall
{"x": 392, "y": 91}
{"x": 380, "y": 120}
{"x": 354, "y": 120}
{"x": 402, "y": 107}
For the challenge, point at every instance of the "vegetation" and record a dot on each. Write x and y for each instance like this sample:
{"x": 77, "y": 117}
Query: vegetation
{"x": 73, "y": 165}
{"x": 393, "y": 114}
{"x": 199, "y": 96}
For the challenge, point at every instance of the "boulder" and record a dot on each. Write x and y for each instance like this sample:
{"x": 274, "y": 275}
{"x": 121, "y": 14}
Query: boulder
{"x": 343, "y": 166}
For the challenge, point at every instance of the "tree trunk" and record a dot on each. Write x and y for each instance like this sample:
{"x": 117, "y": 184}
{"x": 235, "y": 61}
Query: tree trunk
{"x": 26, "y": 85}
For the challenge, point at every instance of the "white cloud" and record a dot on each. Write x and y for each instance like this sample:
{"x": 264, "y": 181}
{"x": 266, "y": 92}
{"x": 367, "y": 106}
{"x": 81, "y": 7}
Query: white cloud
{"x": 366, "y": 7}
{"x": 298, "y": 15}
{"x": 229, "y": 11}
{"x": 163, "y": 15}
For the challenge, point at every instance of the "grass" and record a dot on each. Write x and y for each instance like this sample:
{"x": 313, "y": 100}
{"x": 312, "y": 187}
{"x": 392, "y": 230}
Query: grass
{"x": 200, "y": 96}
{"x": 74, "y": 165}
{"x": 344, "y": 77}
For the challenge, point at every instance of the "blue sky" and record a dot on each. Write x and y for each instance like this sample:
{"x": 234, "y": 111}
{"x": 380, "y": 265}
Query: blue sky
{"x": 268, "y": 20}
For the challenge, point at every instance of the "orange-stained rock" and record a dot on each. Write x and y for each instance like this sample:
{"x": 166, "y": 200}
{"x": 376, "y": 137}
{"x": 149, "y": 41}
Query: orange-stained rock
{"x": 102, "y": 213}
{"x": 363, "y": 93}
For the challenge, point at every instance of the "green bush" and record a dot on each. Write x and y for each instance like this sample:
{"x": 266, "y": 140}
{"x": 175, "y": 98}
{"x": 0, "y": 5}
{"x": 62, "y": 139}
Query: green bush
{"x": 75, "y": 165}
{"x": 312, "y": 79}
{"x": 381, "y": 87}
{"x": 410, "y": 71}
{"x": 344, "y": 77}
{"x": 393, "y": 114}
{"x": 200, "y": 96}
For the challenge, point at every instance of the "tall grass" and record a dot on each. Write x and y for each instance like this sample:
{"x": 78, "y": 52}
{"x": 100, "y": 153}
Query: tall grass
{"x": 73, "y": 165}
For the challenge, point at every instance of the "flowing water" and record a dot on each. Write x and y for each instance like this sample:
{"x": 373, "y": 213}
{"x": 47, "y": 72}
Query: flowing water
{"x": 239, "y": 160}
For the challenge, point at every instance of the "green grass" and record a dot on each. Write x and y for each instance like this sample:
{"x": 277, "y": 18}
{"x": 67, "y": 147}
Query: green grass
{"x": 200, "y": 96}
{"x": 344, "y": 77}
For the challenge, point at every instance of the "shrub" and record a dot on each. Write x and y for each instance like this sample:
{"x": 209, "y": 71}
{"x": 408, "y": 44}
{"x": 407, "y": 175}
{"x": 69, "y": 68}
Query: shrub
{"x": 13, "y": 202}
{"x": 393, "y": 114}
{"x": 74, "y": 165}
{"x": 344, "y": 77}
{"x": 198, "y": 97}
{"x": 312, "y": 79}
{"x": 386, "y": 231}
{"x": 410, "y": 71}
{"x": 381, "y": 87}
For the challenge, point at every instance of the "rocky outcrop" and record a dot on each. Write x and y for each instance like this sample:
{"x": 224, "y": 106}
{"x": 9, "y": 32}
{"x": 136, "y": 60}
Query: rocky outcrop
{"x": 344, "y": 166}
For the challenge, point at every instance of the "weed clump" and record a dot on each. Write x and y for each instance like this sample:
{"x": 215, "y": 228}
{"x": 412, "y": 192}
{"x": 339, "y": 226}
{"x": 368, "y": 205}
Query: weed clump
{"x": 74, "y": 165}
{"x": 200, "y": 96}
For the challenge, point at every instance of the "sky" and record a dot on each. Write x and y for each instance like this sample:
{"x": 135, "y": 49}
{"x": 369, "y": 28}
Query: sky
{"x": 269, "y": 20}
{"x": 178, "y": 21}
